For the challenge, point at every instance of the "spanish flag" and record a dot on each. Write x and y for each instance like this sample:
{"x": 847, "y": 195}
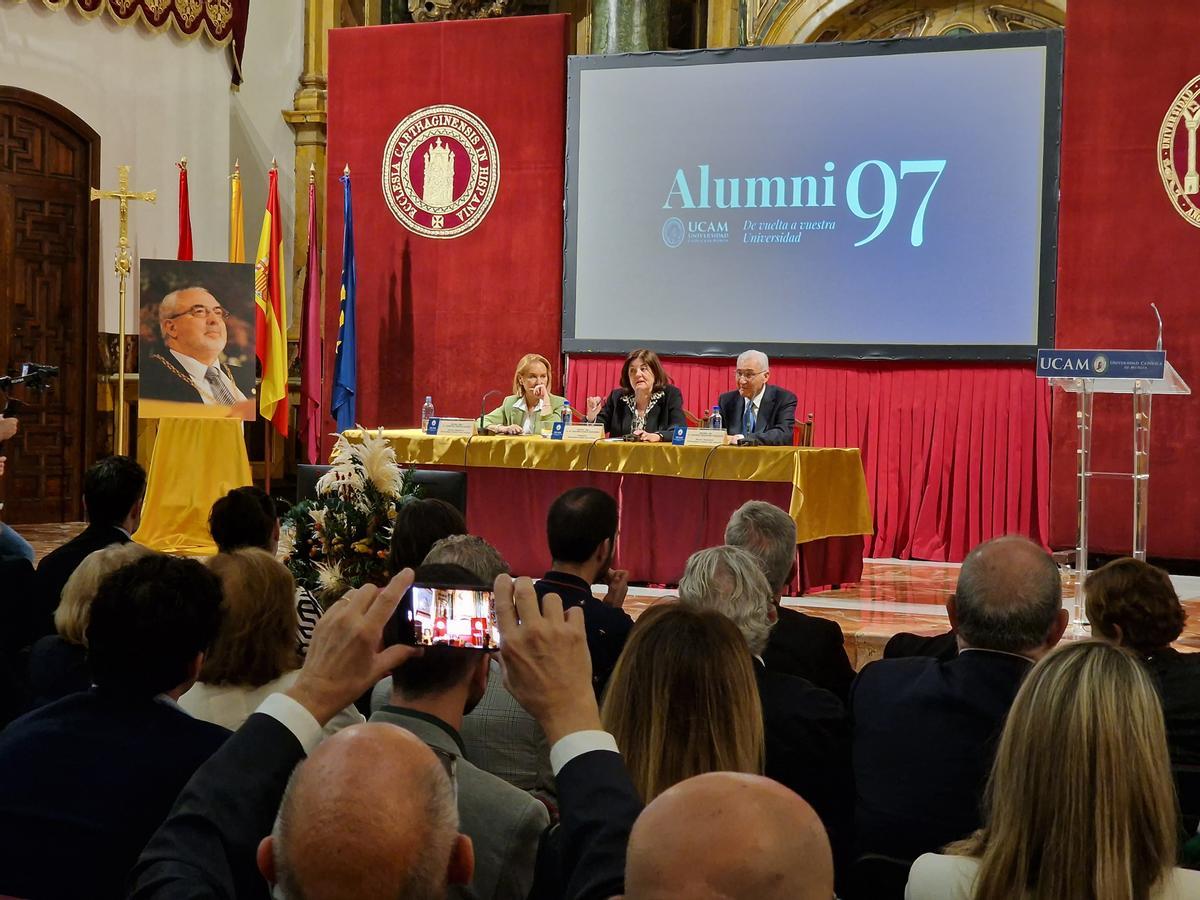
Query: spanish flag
{"x": 270, "y": 315}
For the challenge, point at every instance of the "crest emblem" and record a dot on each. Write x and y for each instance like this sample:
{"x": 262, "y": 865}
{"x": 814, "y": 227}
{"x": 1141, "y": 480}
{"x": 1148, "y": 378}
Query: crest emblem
{"x": 441, "y": 169}
{"x": 1177, "y": 152}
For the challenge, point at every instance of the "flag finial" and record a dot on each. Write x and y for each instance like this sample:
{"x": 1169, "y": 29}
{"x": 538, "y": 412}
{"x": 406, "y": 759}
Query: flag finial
{"x": 274, "y": 165}
{"x": 346, "y": 171}
{"x": 182, "y": 163}
{"x": 312, "y": 173}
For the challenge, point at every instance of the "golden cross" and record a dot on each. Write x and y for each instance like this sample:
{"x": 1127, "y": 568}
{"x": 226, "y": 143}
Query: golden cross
{"x": 122, "y": 266}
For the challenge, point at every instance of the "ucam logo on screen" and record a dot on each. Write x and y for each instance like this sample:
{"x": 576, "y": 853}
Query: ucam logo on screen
{"x": 675, "y": 232}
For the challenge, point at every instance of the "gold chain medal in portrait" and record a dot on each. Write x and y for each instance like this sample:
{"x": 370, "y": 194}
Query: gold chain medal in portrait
{"x": 1178, "y": 150}
{"x": 441, "y": 169}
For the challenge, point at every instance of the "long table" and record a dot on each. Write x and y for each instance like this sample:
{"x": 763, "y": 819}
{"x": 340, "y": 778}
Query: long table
{"x": 673, "y": 500}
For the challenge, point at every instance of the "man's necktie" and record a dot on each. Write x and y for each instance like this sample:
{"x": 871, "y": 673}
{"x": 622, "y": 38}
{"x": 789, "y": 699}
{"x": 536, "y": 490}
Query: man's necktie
{"x": 219, "y": 391}
{"x": 748, "y": 418}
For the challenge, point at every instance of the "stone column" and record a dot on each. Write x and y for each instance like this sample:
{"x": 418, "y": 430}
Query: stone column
{"x": 628, "y": 26}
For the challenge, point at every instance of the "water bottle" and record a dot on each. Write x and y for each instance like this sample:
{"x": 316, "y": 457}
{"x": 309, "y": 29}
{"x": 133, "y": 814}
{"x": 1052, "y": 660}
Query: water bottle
{"x": 715, "y": 421}
{"x": 426, "y": 413}
{"x": 566, "y": 413}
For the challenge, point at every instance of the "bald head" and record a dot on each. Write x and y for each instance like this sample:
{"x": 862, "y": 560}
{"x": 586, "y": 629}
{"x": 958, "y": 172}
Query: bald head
{"x": 1008, "y": 597}
{"x": 371, "y": 814}
{"x": 725, "y": 835}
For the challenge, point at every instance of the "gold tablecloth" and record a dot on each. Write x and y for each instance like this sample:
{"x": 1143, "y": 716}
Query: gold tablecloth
{"x": 829, "y": 489}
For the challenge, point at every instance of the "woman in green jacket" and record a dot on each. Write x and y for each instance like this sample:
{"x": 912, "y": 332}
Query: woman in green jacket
{"x": 531, "y": 409}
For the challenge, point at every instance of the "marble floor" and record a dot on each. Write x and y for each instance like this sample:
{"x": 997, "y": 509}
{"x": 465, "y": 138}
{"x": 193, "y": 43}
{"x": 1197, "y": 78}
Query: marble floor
{"x": 894, "y": 595}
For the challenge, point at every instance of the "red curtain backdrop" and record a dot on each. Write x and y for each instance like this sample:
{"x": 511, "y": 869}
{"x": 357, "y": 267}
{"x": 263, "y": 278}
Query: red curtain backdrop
{"x": 954, "y": 454}
{"x": 449, "y": 318}
{"x": 1122, "y": 245}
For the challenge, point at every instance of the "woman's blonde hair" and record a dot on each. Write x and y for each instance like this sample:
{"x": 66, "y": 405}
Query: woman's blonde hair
{"x": 683, "y": 700}
{"x": 526, "y": 361}
{"x": 75, "y": 606}
{"x": 257, "y": 639}
{"x": 1080, "y": 804}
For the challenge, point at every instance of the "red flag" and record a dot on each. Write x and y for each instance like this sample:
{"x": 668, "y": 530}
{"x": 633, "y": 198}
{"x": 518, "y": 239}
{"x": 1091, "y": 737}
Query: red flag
{"x": 185, "y": 215}
{"x": 270, "y": 315}
{"x": 310, "y": 336}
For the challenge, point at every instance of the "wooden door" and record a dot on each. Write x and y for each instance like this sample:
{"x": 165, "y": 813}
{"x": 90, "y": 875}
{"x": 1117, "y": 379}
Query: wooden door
{"x": 49, "y": 232}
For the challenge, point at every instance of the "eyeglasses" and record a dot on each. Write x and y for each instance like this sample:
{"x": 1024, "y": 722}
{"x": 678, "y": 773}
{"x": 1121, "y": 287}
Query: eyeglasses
{"x": 203, "y": 312}
{"x": 746, "y": 373}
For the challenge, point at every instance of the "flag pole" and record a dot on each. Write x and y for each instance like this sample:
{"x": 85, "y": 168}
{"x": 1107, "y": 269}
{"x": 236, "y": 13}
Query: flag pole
{"x": 268, "y": 427}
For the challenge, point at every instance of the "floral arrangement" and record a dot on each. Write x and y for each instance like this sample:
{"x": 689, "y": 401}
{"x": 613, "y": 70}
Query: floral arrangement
{"x": 342, "y": 539}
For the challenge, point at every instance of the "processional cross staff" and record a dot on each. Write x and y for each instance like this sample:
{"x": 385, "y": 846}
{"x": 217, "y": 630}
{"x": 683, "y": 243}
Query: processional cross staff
{"x": 122, "y": 266}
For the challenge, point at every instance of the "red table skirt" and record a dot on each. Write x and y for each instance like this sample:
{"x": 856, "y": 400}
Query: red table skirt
{"x": 663, "y": 520}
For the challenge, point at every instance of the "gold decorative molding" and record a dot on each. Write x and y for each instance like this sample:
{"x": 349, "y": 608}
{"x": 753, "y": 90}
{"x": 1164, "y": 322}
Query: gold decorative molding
{"x": 214, "y": 19}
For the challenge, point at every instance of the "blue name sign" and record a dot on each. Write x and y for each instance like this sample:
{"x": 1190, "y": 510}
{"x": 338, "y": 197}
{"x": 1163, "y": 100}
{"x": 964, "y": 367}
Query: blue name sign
{"x": 1138, "y": 364}
{"x": 432, "y": 426}
{"x": 679, "y": 435}
{"x": 556, "y": 431}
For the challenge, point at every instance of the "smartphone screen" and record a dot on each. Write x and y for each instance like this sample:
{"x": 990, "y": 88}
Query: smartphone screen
{"x": 447, "y": 614}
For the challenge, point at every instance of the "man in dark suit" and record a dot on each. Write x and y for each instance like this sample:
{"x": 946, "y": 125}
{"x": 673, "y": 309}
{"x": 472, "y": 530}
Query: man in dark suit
{"x": 581, "y": 528}
{"x": 802, "y": 645}
{"x": 807, "y": 733}
{"x": 113, "y": 489}
{"x": 86, "y": 780}
{"x": 757, "y": 414}
{"x": 925, "y": 730}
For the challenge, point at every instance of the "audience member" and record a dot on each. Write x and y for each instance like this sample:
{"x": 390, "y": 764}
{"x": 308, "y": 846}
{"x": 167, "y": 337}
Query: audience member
{"x": 1080, "y": 801}
{"x": 245, "y": 517}
{"x": 581, "y": 528}
{"x": 807, "y": 732}
{"x": 430, "y": 695}
{"x": 925, "y": 730}
{"x": 499, "y": 735}
{"x": 419, "y": 525}
{"x": 683, "y": 700}
{"x": 396, "y": 831}
{"x": 942, "y": 646}
{"x": 113, "y": 489}
{"x": 1134, "y": 605}
{"x": 58, "y": 662}
{"x": 207, "y": 845}
{"x": 726, "y": 835}
{"x": 85, "y": 781}
{"x": 803, "y": 645}
{"x": 254, "y": 654}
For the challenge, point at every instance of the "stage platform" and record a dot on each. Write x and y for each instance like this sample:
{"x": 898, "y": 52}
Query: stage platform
{"x": 894, "y": 595}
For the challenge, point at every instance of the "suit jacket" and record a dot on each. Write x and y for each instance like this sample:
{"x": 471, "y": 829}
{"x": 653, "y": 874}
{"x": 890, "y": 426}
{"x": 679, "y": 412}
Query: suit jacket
{"x": 663, "y": 417}
{"x": 776, "y": 416}
{"x": 808, "y": 750}
{"x": 508, "y": 414}
{"x": 58, "y": 566}
{"x": 925, "y": 733}
{"x": 22, "y": 619}
{"x": 57, "y": 668}
{"x": 939, "y": 646}
{"x": 206, "y": 847}
{"x": 607, "y": 627}
{"x": 84, "y": 782}
{"x": 812, "y": 648}
{"x": 504, "y": 823}
{"x": 165, "y": 380}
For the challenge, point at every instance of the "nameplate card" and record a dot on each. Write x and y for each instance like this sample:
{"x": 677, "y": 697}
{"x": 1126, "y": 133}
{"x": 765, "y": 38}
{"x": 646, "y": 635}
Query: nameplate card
{"x": 1136, "y": 364}
{"x": 698, "y": 437}
{"x": 563, "y": 432}
{"x": 450, "y": 427}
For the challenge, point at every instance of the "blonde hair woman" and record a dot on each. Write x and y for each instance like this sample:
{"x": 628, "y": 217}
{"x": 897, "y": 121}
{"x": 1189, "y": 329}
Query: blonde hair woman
{"x": 254, "y": 654}
{"x": 1080, "y": 805}
{"x": 58, "y": 662}
{"x": 531, "y": 408}
{"x": 683, "y": 701}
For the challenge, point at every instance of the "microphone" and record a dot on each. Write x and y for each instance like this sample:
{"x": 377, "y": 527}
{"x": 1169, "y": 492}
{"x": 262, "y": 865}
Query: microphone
{"x": 1158, "y": 346}
{"x": 483, "y": 405}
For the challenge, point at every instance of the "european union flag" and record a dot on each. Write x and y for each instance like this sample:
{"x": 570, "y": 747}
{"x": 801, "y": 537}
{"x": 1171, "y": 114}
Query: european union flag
{"x": 345, "y": 364}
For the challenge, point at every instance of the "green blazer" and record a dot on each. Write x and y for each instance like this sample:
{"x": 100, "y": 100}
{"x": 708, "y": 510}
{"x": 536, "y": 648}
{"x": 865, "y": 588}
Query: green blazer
{"x": 507, "y": 413}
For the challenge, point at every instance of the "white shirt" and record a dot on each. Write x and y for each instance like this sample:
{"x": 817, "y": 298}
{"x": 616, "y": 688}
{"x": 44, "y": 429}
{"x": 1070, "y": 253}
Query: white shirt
{"x": 196, "y": 370}
{"x": 229, "y": 705}
{"x": 935, "y": 876}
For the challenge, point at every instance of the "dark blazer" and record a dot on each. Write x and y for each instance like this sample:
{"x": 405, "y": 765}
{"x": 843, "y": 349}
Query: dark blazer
{"x": 166, "y": 380}
{"x": 607, "y": 627}
{"x": 598, "y": 806}
{"x": 808, "y": 750}
{"x": 57, "y": 668}
{"x": 22, "y": 620}
{"x": 206, "y": 847}
{"x": 58, "y": 566}
{"x": 812, "y": 648}
{"x": 664, "y": 416}
{"x": 1177, "y": 677}
{"x": 776, "y": 417}
{"x": 84, "y": 782}
{"x": 925, "y": 733}
{"x": 939, "y": 646}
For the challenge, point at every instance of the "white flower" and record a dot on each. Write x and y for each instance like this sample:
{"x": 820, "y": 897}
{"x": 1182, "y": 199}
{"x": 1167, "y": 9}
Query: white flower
{"x": 287, "y": 541}
{"x": 378, "y": 460}
{"x": 318, "y": 517}
{"x": 331, "y": 580}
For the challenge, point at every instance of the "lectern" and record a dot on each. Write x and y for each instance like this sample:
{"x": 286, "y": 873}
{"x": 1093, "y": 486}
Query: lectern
{"x": 1085, "y": 373}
